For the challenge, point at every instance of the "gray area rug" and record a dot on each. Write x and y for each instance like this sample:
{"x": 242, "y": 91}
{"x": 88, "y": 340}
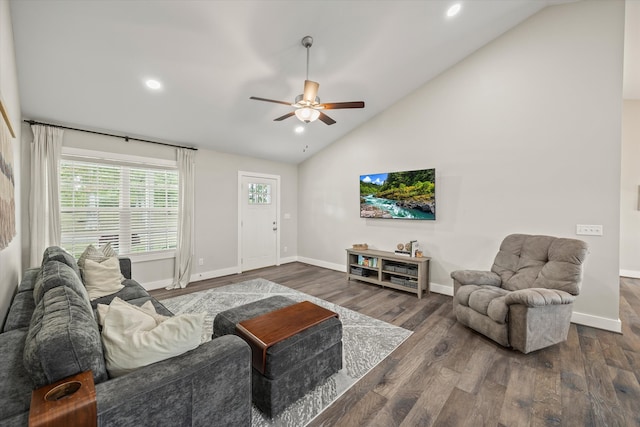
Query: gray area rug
{"x": 366, "y": 342}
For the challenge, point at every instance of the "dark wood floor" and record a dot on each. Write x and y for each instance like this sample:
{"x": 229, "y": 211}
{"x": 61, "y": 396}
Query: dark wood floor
{"x": 447, "y": 375}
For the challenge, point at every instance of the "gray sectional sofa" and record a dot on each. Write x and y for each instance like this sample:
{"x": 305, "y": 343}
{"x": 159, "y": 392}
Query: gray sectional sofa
{"x": 51, "y": 333}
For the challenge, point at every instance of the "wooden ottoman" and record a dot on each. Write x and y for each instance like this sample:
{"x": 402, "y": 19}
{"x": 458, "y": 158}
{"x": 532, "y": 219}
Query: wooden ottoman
{"x": 295, "y": 347}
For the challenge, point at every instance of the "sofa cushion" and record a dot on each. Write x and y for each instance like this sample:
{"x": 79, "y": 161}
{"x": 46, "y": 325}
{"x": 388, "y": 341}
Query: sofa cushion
{"x": 15, "y": 393}
{"x": 134, "y": 337}
{"x": 63, "y": 339}
{"x": 28, "y": 281}
{"x": 480, "y": 299}
{"x": 102, "y": 278}
{"x": 520, "y": 260}
{"x": 56, "y": 253}
{"x": 54, "y": 274}
{"x": 564, "y": 269}
{"x": 131, "y": 290}
{"x": 20, "y": 311}
{"x": 486, "y": 300}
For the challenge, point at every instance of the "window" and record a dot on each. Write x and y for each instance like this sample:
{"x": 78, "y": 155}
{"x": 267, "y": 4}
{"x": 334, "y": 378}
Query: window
{"x": 132, "y": 206}
{"x": 259, "y": 194}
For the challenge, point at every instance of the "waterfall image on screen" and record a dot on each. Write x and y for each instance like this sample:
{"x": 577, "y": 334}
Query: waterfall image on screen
{"x": 399, "y": 195}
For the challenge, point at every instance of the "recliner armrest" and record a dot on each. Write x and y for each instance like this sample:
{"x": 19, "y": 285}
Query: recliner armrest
{"x": 476, "y": 277}
{"x": 538, "y": 297}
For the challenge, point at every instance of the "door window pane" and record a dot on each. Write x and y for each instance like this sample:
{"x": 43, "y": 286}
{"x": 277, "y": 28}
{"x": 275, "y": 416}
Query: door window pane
{"x": 259, "y": 194}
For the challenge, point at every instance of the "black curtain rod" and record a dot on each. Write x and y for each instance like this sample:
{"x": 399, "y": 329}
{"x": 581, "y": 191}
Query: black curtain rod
{"x": 126, "y": 138}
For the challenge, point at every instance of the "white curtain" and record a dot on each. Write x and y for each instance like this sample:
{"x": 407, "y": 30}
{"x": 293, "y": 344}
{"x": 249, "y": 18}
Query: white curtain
{"x": 184, "y": 249}
{"x": 44, "y": 204}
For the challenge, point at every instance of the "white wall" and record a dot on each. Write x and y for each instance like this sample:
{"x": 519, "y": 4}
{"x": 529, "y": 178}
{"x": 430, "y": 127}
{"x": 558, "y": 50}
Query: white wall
{"x": 216, "y": 204}
{"x": 525, "y": 137}
{"x": 630, "y": 191}
{"x": 10, "y": 257}
{"x": 217, "y": 209}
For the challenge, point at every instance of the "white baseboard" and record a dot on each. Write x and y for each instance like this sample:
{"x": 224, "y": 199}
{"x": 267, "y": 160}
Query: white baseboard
{"x": 630, "y": 273}
{"x": 597, "y": 322}
{"x": 323, "y": 264}
{"x": 288, "y": 260}
{"x": 204, "y": 275}
{"x": 158, "y": 284}
{"x": 441, "y": 289}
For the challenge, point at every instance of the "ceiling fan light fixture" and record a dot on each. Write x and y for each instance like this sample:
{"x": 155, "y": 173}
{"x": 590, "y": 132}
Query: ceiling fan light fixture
{"x": 307, "y": 114}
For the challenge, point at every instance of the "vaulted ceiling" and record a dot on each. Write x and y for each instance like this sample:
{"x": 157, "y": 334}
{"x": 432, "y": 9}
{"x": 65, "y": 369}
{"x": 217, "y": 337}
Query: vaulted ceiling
{"x": 85, "y": 64}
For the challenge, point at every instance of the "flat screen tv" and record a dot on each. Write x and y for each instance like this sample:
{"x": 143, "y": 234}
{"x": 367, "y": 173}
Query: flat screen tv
{"x": 399, "y": 195}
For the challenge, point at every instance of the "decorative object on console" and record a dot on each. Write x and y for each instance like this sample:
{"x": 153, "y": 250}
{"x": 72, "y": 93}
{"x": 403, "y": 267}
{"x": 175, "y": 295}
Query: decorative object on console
{"x": 360, "y": 246}
{"x": 406, "y": 249}
{"x": 399, "y": 195}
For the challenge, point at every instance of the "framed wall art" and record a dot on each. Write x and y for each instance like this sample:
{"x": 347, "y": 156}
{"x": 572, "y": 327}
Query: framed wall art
{"x": 7, "y": 180}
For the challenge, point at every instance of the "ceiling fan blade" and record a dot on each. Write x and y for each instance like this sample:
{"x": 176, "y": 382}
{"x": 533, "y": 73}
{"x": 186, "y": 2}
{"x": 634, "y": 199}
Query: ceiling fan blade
{"x": 286, "y": 116}
{"x": 339, "y": 105}
{"x": 310, "y": 90}
{"x": 270, "y": 100}
{"x": 326, "y": 119}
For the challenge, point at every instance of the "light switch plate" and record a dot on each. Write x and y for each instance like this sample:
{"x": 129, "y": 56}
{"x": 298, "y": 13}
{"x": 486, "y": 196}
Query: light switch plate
{"x": 588, "y": 230}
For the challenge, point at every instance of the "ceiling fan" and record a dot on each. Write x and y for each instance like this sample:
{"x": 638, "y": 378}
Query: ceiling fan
{"x": 307, "y": 105}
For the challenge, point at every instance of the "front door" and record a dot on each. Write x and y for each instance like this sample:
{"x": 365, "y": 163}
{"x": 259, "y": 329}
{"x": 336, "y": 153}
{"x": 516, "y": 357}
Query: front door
{"x": 259, "y": 221}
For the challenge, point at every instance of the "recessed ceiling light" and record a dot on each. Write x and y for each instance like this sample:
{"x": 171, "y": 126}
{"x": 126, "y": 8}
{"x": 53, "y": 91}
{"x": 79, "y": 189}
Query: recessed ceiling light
{"x": 153, "y": 84}
{"x": 299, "y": 129}
{"x": 453, "y": 10}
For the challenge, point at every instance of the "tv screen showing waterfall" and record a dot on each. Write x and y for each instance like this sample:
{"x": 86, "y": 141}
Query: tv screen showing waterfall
{"x": 399, "y": 195}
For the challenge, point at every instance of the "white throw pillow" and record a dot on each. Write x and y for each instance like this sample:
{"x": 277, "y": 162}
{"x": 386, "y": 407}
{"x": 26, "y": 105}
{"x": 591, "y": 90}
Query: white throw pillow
{"x": 100, "y": 254}
{"x": 133, "y": 338}
{"x": 103, "y": 278}
{"x": 146, "y": 308}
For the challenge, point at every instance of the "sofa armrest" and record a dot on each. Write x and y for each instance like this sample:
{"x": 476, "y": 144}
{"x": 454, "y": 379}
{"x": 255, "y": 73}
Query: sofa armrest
{"x": 475, "y": 277}
{"x": 211, "y": 383}
{"x": 538, "y": 297}
{"x": 125, "y": 267}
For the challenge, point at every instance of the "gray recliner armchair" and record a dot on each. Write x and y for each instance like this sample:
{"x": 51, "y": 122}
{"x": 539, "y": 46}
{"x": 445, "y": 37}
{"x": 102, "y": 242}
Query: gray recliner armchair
{"x": 526, "y": 300}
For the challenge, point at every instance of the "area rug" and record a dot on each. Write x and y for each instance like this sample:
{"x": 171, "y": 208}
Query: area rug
{"x": 366, "y": 342}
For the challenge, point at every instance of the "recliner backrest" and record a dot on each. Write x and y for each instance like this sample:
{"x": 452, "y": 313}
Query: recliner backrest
{"x": 530, "y": 261}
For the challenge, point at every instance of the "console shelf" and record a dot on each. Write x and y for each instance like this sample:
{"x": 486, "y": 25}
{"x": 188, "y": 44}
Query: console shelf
{"x": 389, "y": 270}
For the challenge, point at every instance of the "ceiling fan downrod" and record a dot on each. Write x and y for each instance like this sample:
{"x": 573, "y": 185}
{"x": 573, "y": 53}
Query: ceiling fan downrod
{"x": 307, "y": 42}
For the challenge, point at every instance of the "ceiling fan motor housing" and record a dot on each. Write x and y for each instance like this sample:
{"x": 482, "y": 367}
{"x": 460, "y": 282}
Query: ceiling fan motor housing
{"x": 307, "y": 41}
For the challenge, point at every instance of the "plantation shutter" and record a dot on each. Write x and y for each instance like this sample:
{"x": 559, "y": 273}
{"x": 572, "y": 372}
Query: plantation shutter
{"x": 132, "y": 206}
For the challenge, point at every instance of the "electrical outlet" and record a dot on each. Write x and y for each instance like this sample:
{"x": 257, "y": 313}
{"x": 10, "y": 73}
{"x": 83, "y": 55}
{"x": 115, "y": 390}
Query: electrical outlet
{"x": 200, "y": 261}
{"x": 589, "y": 230}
